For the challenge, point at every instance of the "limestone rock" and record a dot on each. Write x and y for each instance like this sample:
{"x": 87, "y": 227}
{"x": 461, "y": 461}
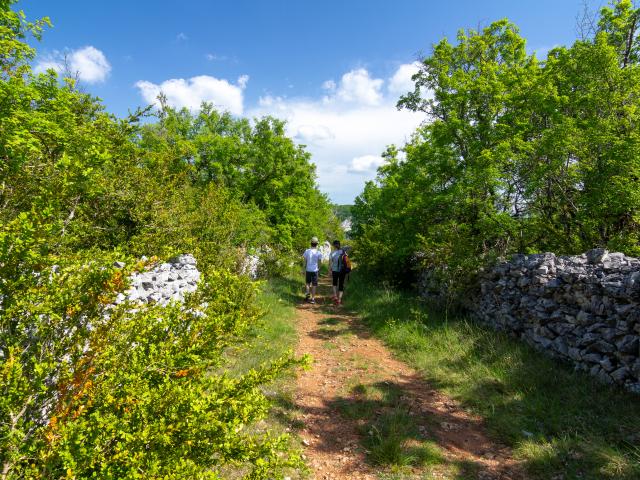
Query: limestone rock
{"x": 584, "y": 309}
{"x": 164, "y": 283}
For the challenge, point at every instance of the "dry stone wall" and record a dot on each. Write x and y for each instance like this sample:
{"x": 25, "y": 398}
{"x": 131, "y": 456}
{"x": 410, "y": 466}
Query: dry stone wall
{"x": 166, "y": 282}
{"x": 584, "y": 309}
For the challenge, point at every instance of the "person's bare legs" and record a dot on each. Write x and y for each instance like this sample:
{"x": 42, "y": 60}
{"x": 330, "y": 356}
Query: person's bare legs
{"x": 313, "y": 293}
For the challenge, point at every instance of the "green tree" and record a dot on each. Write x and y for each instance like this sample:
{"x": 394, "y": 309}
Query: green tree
{"x": 258, "y": 163}
{"x": 517, "y": 155}
{"x": 14, "y": 30}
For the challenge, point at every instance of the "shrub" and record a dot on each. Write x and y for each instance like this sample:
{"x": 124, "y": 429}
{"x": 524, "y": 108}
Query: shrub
{"x": 89, "y": 390}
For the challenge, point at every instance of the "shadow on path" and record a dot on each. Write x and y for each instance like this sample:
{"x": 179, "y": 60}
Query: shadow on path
{"x": 365, "y": 413}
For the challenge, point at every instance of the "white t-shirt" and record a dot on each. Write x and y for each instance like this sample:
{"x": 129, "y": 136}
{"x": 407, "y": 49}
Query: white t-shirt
{"x": 312, "y": 256}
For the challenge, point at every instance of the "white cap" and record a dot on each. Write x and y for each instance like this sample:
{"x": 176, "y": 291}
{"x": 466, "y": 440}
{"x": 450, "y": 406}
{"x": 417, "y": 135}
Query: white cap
{"x": 314, "y": 239}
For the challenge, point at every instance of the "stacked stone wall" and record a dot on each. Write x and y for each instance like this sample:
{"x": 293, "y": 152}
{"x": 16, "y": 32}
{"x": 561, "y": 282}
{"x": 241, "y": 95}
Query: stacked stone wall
{"x": 163, "y": 283}
{"x": 583, "y": 309}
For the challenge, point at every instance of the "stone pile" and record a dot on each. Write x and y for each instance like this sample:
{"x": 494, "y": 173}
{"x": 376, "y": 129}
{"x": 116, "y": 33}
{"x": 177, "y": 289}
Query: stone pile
{"x": 325, "y": 249}
{"x": 251, "y": 265}
{"x": 164, "y": 283}
{"x": 255, "y": 263}
{"x": 583, "y": 309}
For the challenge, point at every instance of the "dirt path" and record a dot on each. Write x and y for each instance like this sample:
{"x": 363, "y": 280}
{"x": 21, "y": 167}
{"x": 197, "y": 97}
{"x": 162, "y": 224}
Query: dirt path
{"x": 366, "y": 415}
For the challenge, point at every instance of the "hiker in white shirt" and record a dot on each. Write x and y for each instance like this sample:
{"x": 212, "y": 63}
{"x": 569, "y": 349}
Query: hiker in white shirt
{"x": 312, "y": 260}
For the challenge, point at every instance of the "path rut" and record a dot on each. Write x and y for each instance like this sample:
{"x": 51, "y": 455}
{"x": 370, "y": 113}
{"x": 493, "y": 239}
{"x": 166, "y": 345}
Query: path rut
{"x": 347, "y": 363}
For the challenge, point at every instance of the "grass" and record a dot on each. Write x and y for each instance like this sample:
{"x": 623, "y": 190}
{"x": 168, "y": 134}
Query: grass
{"x": 560, "y": 423}
{"x": 269, "y": 340}
{"x": 274, "y": 335}
{"x": 392, "y": 439}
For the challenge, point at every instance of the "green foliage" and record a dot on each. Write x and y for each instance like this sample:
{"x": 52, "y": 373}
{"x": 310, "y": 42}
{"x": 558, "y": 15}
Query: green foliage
{"x": 620, "y": 25}
{"x": 517, "y": 155}
{"x": 89, "y": 390}
{"x": 342, "y": 211}
{"x": 61, "y": 151}
{"x": 14, "y": 29}
{"x": 258, "y": 163}
{"x": 92, "y": 390}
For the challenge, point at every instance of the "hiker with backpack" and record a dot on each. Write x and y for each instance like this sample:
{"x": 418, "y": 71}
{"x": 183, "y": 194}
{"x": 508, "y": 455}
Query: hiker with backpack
{"x": 340, "y": 267}
{"x": 312, "y": 260}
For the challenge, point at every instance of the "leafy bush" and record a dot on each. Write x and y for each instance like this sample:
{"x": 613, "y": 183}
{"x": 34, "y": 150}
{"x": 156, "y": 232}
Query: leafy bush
{"x": 92, "y": 390}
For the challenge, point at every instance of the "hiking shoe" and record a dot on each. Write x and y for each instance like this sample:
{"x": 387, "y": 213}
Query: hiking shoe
{"x": 307, "y": 297}
{"x": 313, "y": 300}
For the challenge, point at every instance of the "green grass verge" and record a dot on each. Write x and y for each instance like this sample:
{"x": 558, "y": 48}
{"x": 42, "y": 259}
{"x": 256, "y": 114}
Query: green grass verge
{"x": 560, "y": 423}
{"x": 274, "y": 336}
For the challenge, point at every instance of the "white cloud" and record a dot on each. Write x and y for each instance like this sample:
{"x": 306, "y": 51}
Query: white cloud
{"x": 215, "y": 57}
{"x": 313, "y": 133}
{"x": 243, "y": 80}
{"x": 49, "y": 63}
{"x": 269, "y": 101}
{"x": 401, "y": 82}
{"x": 365, "y": 164}
{"x": 182, "y": 37}
{"x": 190, "y": 93}
{"x": 347, "y": 129}
{"x": 89, "y": 64}
{"x": 357, "y": 86}
{"x": 329, "y": 85}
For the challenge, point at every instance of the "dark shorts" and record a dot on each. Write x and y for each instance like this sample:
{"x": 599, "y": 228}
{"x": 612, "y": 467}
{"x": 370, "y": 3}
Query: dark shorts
{"x": 312, "y": 277}
{"x": 338, "y": 280}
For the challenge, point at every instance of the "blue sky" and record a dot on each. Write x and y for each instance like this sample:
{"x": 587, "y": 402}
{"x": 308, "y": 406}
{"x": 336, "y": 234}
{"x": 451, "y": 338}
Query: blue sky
{"x": 333, "y": 69}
